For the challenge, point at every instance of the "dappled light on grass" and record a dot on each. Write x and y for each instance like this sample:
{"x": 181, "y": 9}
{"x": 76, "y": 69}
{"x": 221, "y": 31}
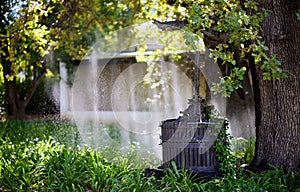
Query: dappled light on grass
{"x": 33, "y": 160}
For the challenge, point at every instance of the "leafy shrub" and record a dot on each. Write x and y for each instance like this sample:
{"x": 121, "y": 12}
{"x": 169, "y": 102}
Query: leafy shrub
{"x": 222, "y": 147}
{"x": 243, "y": 149}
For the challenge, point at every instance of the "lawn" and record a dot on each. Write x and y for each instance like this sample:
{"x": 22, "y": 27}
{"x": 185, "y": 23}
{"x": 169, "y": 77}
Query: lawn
{"x": 47, "y": 156}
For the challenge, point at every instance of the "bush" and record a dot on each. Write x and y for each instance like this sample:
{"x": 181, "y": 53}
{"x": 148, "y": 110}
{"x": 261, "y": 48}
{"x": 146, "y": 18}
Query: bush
{"x": 243, "y": 149}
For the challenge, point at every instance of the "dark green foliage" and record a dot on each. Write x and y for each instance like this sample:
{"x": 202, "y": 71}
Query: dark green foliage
{"x": 222, "y": 148}
{"x": 31, "y": 160}
{"x": 272, "y": 180}
{"x": 179, "y": 180}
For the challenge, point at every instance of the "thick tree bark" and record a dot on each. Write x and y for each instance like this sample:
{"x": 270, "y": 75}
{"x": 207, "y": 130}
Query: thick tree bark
{"x": 278, "y": 101}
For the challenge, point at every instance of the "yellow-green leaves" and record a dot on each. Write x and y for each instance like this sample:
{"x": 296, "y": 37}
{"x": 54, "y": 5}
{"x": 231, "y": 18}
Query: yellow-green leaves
{"x": 271, "y": 69}
{"x": 222, "y": 52}
{"x": 1, "y": 75}
{"x": 230, "y": 83}
{"x": 27, "y": 40}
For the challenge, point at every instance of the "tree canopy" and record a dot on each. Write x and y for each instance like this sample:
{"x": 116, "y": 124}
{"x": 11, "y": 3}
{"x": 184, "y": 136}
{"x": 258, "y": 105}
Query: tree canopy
{"x": 33, "y": 32}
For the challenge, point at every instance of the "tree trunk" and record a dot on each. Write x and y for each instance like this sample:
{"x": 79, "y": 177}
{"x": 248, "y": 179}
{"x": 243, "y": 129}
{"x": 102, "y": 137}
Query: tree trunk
{"x": 278, "y": 101}
{"x": 16, "y": 104}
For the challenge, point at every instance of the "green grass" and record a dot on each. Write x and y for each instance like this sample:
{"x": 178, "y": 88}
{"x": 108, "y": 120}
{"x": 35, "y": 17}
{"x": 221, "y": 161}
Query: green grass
{"x": 45, "y": 156}
{"x": 27, "y": 131}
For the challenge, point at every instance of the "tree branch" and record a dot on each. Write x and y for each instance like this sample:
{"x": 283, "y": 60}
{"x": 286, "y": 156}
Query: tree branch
{"x": 170, "y": 25}
{"x": 34, "y": 86}
{"x": 216, "y": 36}
{"x": 209, "y": 34}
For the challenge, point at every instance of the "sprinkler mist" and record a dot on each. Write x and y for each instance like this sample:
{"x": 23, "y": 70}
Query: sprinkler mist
{"x": 128, "y": 85}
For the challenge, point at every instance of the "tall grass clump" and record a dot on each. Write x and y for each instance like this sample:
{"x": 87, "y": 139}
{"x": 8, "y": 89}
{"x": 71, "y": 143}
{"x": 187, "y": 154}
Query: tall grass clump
{"x": 179, "y": 180}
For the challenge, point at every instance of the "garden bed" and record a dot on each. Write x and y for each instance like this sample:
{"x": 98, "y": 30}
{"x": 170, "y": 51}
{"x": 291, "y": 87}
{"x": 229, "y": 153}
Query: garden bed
{"x": 44, "y": 156}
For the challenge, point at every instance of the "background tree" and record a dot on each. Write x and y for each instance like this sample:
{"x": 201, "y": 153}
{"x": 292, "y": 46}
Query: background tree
{"x": 261, "y": 38}
{"x": 24, "y": 43}
{"x": 31, "y": 29}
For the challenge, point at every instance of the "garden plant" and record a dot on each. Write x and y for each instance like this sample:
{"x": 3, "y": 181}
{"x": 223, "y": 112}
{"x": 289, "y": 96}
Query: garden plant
{"x": 47, "y": 156}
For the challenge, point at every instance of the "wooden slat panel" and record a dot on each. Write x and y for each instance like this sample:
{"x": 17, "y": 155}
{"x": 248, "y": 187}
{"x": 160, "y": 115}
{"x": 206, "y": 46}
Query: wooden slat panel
{"x": 183, "y": 143}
